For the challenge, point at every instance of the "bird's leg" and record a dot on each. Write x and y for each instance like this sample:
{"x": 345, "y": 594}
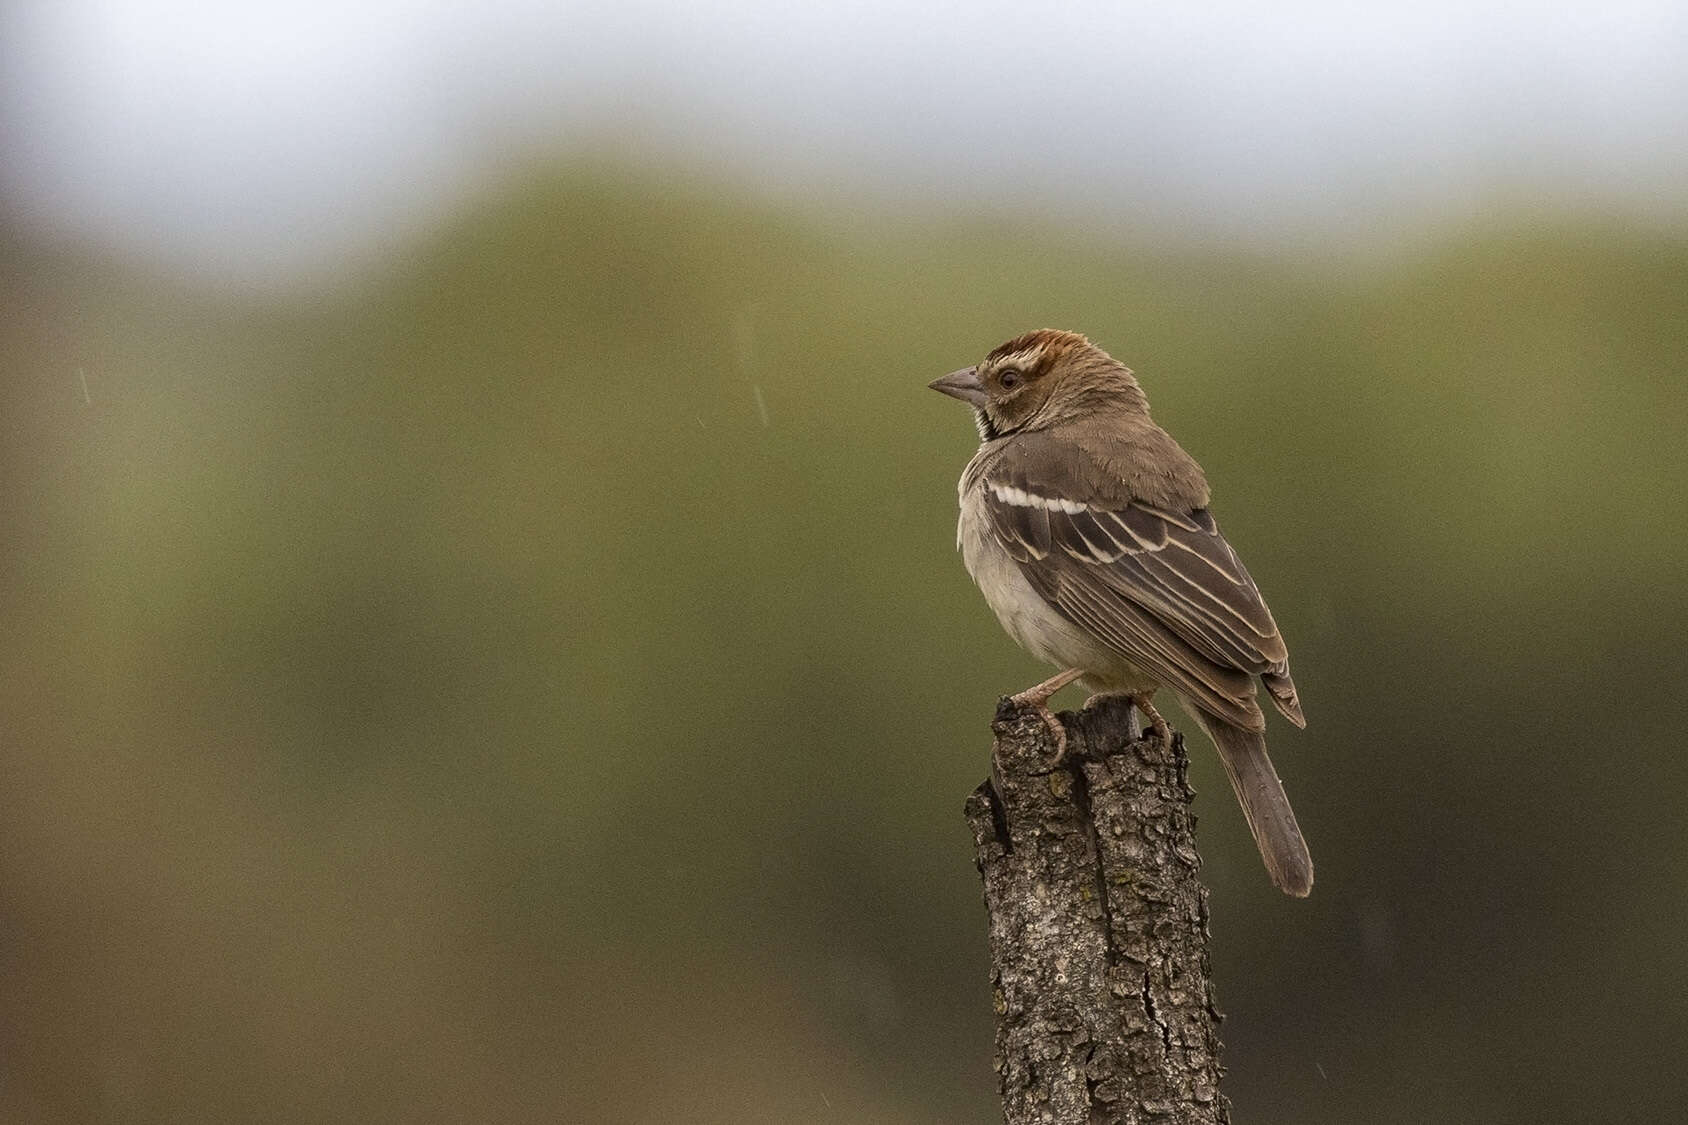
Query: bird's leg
{"x": 1156, "y": 723}
{"x": 1037, "y": 698}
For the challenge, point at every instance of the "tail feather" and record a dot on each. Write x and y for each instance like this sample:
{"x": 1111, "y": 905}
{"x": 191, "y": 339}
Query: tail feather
{"x": 1282, "y": 690}
{"x": 1264, "y": 803}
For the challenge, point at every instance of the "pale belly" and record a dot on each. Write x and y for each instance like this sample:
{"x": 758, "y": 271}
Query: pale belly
{"x": 1033, "y": 623}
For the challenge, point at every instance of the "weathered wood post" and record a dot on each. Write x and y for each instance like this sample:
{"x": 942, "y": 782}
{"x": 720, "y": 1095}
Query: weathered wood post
{"x": 1098, "y": 924}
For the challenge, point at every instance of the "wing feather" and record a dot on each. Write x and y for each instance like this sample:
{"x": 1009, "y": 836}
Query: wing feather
{"x": 1163, "y": 588}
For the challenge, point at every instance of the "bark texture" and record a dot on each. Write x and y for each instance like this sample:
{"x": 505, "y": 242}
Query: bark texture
{"x": 1098, "y": 924}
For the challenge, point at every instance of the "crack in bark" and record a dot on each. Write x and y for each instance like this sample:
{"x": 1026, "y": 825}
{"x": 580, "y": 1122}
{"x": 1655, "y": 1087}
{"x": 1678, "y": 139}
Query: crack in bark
{"x": 999, "y": 820}
{"x": 1081, "y": 798}
{"x": 1154, "y": 1016}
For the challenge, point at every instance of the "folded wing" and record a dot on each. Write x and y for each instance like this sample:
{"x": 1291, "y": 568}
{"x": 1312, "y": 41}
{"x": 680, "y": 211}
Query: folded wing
{"x": 1163, "y": 588}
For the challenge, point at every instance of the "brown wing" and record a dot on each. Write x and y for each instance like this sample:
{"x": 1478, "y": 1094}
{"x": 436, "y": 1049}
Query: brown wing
{"x": 1162, "y": 588}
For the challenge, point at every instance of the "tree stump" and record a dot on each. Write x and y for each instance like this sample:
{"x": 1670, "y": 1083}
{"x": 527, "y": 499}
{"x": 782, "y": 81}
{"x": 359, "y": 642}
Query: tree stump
{"x": 1098, "y": 924}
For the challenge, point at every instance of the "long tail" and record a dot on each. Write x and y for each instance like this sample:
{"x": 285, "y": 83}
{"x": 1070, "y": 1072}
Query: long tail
{"x": 1264, "y": 803}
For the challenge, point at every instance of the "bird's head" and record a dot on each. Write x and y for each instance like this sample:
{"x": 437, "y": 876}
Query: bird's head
{"x": 1040, "y": 379}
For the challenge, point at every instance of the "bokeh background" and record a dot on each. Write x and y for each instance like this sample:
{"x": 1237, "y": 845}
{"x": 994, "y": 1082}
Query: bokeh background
{"x": 483, "y": 639}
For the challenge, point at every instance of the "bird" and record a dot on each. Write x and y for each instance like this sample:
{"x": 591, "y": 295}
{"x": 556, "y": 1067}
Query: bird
{"x": 1087, "y": 529}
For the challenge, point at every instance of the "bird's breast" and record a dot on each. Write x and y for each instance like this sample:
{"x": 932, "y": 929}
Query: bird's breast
{"x": 1035, "y": 625}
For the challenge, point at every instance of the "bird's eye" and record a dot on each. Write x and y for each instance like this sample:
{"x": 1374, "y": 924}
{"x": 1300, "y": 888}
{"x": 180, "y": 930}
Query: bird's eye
{"x": 1009, "y": 380}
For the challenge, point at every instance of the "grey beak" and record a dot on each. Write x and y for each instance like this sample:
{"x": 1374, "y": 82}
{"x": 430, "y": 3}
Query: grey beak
{"x": 963, "y": 384}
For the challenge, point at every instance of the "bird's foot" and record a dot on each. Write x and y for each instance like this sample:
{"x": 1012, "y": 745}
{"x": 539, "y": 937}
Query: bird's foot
{"x": 1156, "y": 723}
{"x": 1037, "y": 698}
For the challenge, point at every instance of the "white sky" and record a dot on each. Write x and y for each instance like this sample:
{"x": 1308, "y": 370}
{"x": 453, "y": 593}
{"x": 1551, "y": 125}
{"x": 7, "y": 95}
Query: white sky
{"x": 263, "y": 136}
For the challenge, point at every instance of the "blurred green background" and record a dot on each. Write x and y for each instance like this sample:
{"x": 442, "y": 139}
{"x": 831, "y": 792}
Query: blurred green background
{"x": 538, "y": 683}
{"x": 531, "y": 678}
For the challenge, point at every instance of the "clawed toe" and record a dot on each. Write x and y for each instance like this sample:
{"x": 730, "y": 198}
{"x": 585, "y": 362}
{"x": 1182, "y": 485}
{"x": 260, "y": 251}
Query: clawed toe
{"x": 1156, "y": 723}
{"x": 1037, "y": 698}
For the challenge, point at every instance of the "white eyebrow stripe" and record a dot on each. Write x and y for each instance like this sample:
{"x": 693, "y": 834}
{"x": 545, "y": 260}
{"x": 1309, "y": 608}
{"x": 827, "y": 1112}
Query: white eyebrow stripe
{"x": 1022, "y": 359}
{"x": 1020, "y": 498}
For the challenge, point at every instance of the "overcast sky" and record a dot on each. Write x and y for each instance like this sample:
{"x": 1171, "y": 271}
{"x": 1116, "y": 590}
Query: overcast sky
{"x": 264, "y": 136}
